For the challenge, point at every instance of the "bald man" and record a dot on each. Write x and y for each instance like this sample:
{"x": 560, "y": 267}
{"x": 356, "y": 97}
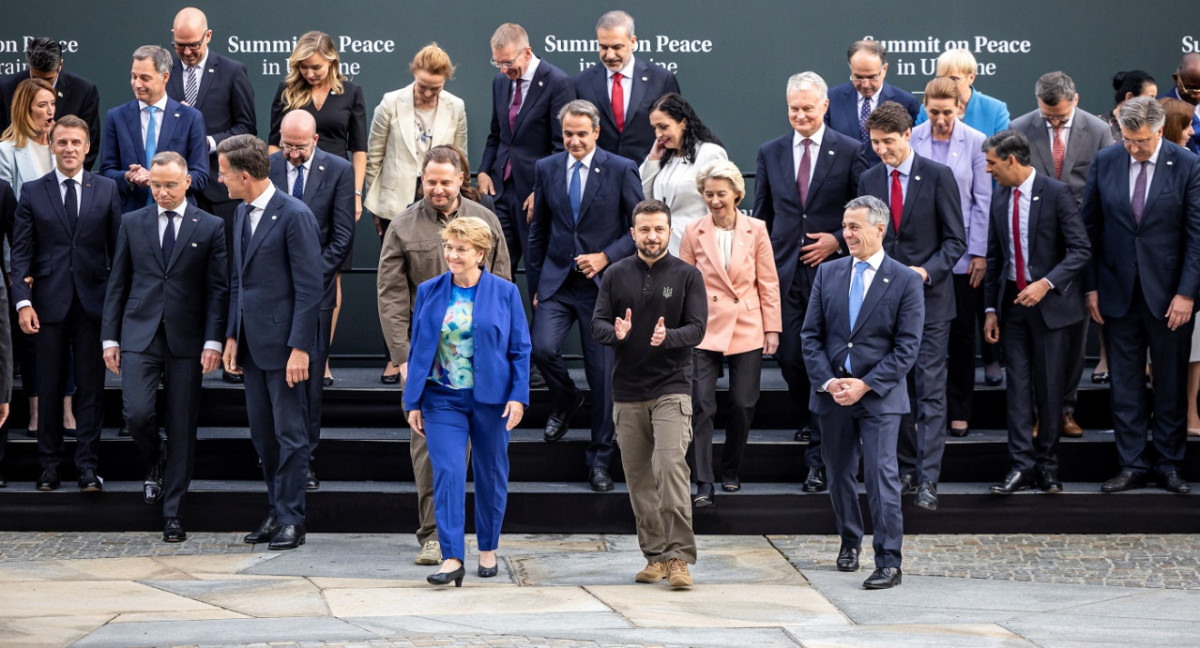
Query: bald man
{"x": 1187, "y": 88}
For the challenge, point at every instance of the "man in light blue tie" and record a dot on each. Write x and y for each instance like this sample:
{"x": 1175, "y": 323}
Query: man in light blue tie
{"x": 584, "y": 199}
{"x": 860, "y": 338}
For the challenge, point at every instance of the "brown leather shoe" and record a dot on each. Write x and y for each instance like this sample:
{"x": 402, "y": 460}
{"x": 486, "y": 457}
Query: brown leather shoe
{"x": 1070, "y": 428}
{"x": 651, "y": 573}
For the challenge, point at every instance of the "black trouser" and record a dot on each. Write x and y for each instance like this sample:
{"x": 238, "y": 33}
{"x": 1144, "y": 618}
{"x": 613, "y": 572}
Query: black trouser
{"x": 745, "y": 374}
{"x": 960, "y": 367}
{"x": 77, "y": 337}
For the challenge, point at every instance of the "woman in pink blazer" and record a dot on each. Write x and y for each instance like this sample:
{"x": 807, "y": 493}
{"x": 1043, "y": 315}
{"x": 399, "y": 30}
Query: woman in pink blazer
{"x": 733, "y": 252}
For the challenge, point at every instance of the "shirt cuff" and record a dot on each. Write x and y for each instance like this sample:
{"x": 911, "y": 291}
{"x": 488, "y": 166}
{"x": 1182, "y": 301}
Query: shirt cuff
{"x": 212, "y": 144}
{"x": 108, "y": 344}
{"x": 989, "y": 310}
{"x": 215, "y": 346}
{"x": 23, "y": 303}
{"x": 825, "y": 387}
{"x": 1048, "y": 282}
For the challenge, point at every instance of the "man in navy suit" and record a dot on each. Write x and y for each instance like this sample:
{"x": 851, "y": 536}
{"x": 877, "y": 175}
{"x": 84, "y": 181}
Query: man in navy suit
{"x": 805, "y": 230}
{"x": 152, "y": 122}
{"x": 1142, "y": 210}
{"x": 581, "y": 220}
{"x": 275, "y": 293}
{"x": 861, "y": 337}
{"x": 527, "y": 96}
{"x": 64, "y": 232}
{"x": 75, "y": 95}
{"x": 325, "y": 183}
{"x": 1187, "y": 88}
{"x": 220, "y": 89}
{"x": 164, "y": 320}
{"x": 1037, "y": 250}
{"x": 925, "y": 232}
{"x": 623, "y": 88}
{"x": 852, "y": 102}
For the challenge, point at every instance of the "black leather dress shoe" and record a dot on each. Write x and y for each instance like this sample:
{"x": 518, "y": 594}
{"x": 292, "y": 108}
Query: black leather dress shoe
{"x": 1125, "y": 480}
{"x": 804, "y": 434}
{"x": 311, "y": 483}
{"x": 1171, "y": 481}
{"x": 393, "y": 379}
{"x": 559, "y": 421}
{"x": 959, "y": 433}
{"x": 173, "y": 531}
{"x": 152, "y": 486}
{"x": 289, "y": 536}
{"x": 232, "y": 378}
{"x": 883, "y": 578}
{"x": 731, "y": 484}
{"x": 1050, "y": 481}
{"x": 89, "y": 482}
{"x": 847, "y": 560}
{"x": 815, "y": 482}
{"x": 908, "y": 483}
{"x": 536, "y": 380}
{"x": 49, "y": 480}
{"x": 601, "y": 481}
{"x": 1013, "y": 482}
{"x": 264, "y": 532}
{"x": 444, "y": 578}
{"x": 704, "y": 495}
{"x": 927, "y": 496}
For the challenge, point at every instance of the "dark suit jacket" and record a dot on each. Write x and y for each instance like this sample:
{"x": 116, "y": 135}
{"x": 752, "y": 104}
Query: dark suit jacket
{"x": 8, "y": 208}
{"x": 329, "y": 194}
{"x": 501, "y": 337}
{"x": 537, "y": 131}
{"x": 842, "y": 115}
{"x": 931, "y": 228}
{"x": 649, "y": 83}
{"x": 189, "y": 296}
{"x": 275, "y": 290}
{"x": 1058, "y": 250}
{"x": 182, "y": 131}
{"x": 1087, "y": 136}
{"x": 613, "y": 189}
{"x": 226, "y": 100}
{"x": 885, "y": 339}
{"x": 76, "y": 96}
{"x": 836, "y": 171}
{"x": 62, "y": 262}
{"x": 1163, "y": 252}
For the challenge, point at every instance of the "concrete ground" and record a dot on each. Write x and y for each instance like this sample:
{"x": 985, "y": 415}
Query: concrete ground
{"x": 130, "y": 589}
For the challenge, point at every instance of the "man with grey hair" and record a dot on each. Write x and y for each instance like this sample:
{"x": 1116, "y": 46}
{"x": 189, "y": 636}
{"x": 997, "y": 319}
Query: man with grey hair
{"x": 860, "y": 337}
{"x": 852, "y": 102}
{"x": 1142, "y": 207}
{"x": 624, "y": 88}
{"x": 152, "y": 122}
{"x": 804, "y": 179}
{"x": 1063, "y": 139}
{"x": 581, "y": 217}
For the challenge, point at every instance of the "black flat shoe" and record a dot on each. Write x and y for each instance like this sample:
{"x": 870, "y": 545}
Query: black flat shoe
{"x": 444, "y": 578}
{"x": 959, "y": 432}
{"x": 232, "y": 378}
{"x": 993, "y": 381}
{"x": 327, "y": 381}
{"x": 393, "y": 379}
{"x": 731, "y": 485}
{"x": 1101, "y": 377}
{"x": 704, "y": 496}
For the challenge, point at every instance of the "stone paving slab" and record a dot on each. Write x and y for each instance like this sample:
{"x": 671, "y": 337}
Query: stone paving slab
{"x": 983, "y": 635}
{"x": 244, "y": 631}
{"x": 719, "y": 606}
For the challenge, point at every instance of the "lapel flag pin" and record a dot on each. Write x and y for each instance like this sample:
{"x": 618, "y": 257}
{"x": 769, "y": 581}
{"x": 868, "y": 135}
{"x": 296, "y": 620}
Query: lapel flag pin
{"x": 320, "y": 168}
{"x": 916, "y": 177}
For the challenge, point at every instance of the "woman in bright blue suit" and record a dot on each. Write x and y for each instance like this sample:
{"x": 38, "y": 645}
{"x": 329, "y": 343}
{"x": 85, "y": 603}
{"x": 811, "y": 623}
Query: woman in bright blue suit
{"x": 985, "y": 114}
{"x": 468, "y": 369}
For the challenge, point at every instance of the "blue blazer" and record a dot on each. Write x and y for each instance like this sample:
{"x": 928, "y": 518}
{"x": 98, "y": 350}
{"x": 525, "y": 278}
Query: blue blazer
{"x": 885, "y": 338}
{"x": 649, "y": 83}
{"x": 605, "y": 215}
{"x": 1162, "y": 253}
{"x": 536, "y": 132}
{"x": 931, "y": 228}
{"x": 275, "y": 289}
{"x": 64, "y": 262}
{"x": 182, "y": 131}
{"x": 329, "y": 194}
{"x": 836, "y": 171}
{"x": 842, "y": 115}
{"x": 985, "y": 114}
{"x": 501, "y": 340}
{"x": 226, "y": 100}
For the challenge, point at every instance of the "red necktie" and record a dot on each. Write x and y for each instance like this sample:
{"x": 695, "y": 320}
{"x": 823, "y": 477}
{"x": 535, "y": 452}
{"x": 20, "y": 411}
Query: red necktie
{"x": 1018, "y": 253}
{"x": 1058, "y": 153}
{"x": 618, "y": 101}
{"x": 897, "y": 200}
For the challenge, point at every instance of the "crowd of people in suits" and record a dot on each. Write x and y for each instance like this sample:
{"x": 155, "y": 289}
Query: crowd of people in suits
{"x": 938, "y": 226}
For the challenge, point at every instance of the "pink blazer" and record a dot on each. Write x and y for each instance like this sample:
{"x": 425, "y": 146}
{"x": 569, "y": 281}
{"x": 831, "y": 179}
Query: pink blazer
{"x": 743, "y": 302}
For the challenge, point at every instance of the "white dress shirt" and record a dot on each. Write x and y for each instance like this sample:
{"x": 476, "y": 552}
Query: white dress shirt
{"x": 161, "y": 104}
{"x": 293, "y": 171}
{"x": 583, "y": 172}
{"x": 626, "y": 85}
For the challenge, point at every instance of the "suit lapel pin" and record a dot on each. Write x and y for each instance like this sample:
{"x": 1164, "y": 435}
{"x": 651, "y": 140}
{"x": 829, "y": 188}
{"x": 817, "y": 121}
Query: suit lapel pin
{"x": 885, "y": 280}
{"x": 830, "y": 152}
{"x": 274, "y": 216}
{"x": 1170, "y": 162}
{"x": 194, "y": 220}
{"x": 1035, "y": 198}
{"x": 211, "y": 70}
{"x": 320, "y": 168}
{"x": 645, "y": 79}
{"x": 60, "y": 94}
{"x": 177, "y": 114}
{"x": 540, "y": 84}
{"x": 193, "y": 245}
{"x": 918, "y": 178}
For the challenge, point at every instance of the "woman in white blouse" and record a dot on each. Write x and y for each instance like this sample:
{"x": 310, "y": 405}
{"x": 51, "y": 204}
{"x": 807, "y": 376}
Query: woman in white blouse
{"x": 682, "y": 145}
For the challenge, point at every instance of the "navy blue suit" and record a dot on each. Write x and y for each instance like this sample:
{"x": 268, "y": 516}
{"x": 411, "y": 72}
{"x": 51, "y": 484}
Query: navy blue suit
{"x": 1137, "y": 269}
{"x": 649, "y": 82}
{"x": 883, "y": 345}
{"x": 564, "y": 294}
{"x": 69, "y": 267}
{"x": 76, "y": 96}
{"x": 836, "y": 171}
{"x": 182, "y": 131}
{"x": 535, "y": 134}
{"x": 161, "y": 315}
{"x": 275, "y": 293}
{"x": 843, "y": 113}
{"x": 931, "y": 236}
{"x": 329, "y": 193}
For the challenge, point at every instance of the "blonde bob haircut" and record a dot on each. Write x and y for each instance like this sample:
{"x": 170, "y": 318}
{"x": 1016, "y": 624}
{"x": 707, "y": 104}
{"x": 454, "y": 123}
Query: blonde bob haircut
{"x": 297, "y": 93}
{"x": 472, "y": 230}
{"x": 722, "y": 170}
{"x": 955, "y": 61}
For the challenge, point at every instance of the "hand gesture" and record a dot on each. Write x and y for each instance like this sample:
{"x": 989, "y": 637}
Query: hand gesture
{"x": 622, "y": 326}
{"x": 660, "y": 333}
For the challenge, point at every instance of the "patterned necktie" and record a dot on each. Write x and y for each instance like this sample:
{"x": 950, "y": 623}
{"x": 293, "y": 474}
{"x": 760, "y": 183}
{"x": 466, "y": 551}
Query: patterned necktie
{"x": 151, "y": 144}
{"x": 897, "y": 199}
{"x": 1018, "y": 249}
{"x": 71, "y": 203}
{"x": 575, "y": 190}
{"x": 862, "y": 121}
{"x": 1058, "y": 152}
{"x": 191, "y": 87}
{"x": 618, "y": 102}
{"x": 168, "y": 240}
{"x": 1139, "y": 193}
{"x": 857, "y": 292}
{"x": 802, "y": 176}
{"x": 298, "y": 186}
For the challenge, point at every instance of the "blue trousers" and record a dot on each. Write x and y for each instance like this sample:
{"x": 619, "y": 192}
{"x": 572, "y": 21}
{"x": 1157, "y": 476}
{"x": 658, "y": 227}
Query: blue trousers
{"x": 452, "y": 417}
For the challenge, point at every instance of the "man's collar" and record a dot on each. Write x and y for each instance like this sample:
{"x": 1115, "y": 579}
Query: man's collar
{"x": 161, "y": 104}
{"x": 626, "y": 71}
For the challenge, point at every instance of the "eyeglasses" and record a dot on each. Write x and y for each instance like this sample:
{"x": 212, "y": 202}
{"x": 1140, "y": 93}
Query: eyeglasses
{"x": 289, "y": 148}
{"x": 1056, "y": 120}
{"x": 183, "y": 47}
{"x": 503, "y": 65}
{"x": 1184, "y": 89}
